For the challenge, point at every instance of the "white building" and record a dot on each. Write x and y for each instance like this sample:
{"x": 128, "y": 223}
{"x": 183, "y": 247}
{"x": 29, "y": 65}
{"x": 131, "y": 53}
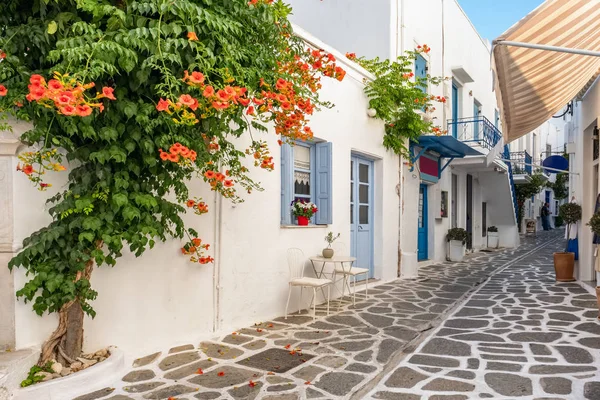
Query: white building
{"x": 473, "y": 192}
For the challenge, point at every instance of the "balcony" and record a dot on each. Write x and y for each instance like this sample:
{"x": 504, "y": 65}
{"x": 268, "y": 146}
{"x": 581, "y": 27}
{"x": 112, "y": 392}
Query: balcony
{"x": 521, "y": 163}
{"x": 475, "y": 131}
{"x": 521, "y": 166}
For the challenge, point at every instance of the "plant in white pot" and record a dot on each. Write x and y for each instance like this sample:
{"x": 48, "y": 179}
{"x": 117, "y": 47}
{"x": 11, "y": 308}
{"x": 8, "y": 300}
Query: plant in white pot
{"x": 457, "y": 238}
{"x": 330, "y": 238}
{"x": 493, "y": 241}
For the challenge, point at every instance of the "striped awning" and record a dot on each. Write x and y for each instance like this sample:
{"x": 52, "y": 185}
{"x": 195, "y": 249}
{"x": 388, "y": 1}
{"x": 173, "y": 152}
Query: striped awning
{"x": 532, "y": 84}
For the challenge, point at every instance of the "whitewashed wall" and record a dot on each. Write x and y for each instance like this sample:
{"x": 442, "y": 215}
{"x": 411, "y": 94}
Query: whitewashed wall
{"x": 160, "y": 299}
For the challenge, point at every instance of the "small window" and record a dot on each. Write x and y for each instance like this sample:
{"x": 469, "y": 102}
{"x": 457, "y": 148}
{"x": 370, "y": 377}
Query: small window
{"x": 306, "y": 175}
{"x": 421, "y": 71}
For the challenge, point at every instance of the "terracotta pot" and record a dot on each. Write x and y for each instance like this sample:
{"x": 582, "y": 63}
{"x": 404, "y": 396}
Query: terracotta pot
{"x": 328, "y": 253}
{"x": 598, "y": 299}
{"x": 564, "y": 264}
{"x": 302, "y": 221}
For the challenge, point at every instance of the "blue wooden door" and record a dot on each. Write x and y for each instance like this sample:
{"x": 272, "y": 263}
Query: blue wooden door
{"x": 361, "y": 212}
{"x": 423, "y": 251}
{"x": 455, "y": 111}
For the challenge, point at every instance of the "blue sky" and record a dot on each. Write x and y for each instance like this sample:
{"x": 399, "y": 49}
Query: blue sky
{"x": 493, "y": 17}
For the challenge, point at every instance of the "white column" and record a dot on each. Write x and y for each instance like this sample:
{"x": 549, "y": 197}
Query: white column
{"x": 8, "y": 150}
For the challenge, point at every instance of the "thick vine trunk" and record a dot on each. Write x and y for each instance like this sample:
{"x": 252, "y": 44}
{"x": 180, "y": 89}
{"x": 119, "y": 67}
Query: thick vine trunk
{"x": 66, "y": 342}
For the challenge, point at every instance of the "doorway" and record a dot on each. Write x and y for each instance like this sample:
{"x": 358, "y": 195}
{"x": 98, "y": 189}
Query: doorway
{"x": 361, "y": 212}
{"x": 469, "y": 211}
{"x": 423, "y": 250}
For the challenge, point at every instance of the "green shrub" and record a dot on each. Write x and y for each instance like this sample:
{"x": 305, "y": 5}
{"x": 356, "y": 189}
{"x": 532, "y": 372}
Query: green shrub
{"x": 457, "y": 234}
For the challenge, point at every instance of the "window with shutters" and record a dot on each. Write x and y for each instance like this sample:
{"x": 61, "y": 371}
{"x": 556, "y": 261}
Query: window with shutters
{"x": 421, "y": 71}
{"x": 306, "y": 175}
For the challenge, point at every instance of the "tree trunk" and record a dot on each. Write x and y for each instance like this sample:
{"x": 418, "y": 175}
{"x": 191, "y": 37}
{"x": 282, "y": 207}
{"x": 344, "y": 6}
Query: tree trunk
{"x": 66, "y": 342}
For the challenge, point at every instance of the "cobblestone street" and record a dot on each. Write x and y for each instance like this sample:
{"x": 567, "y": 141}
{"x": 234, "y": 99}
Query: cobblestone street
{"x": 517, "y": 334}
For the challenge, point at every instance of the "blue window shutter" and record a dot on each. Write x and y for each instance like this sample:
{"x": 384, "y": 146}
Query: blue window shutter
{"x": 421, "y": 70}
{"x": 287, "y": 182}
{"x": 323, "y": 192}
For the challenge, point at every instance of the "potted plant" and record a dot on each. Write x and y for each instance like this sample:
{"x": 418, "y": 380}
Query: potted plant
{"x": 328, "y": 252}
{"x": 564, "y": 262}
{"x": 457, "y": 238}
{"x": 303, "y": 210}
{"x": 492, "y": 237}
{"x": 594, "y": 223}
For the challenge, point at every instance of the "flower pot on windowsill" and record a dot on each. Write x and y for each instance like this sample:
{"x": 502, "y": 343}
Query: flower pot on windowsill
{"x": 302, "y": 221}
{"x": 457, "y": 250}
{"x": 564, "y": 264}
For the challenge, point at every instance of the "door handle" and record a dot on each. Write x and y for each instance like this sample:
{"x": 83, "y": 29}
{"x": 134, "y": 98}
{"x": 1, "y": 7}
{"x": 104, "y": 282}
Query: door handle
{"x": 360, "y": 228}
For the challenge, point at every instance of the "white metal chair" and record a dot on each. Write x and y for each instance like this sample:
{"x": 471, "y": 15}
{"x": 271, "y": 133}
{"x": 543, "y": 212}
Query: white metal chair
{"x": 347, "y": 272}
{"x": 296, "y": 260}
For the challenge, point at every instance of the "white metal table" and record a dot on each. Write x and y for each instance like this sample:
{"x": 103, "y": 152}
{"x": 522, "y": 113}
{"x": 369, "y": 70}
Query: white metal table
{"x": 349, "y": 261}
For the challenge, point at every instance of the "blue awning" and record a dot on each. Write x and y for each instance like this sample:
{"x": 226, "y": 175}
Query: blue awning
{"x": 447, "y": 146}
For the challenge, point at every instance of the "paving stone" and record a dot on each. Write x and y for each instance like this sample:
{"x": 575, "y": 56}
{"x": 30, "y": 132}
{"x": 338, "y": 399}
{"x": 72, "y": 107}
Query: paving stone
{"x": 208, "y": 395}
{"x": 396, "y": 396}
{"x": 559, "y": 369}
{"x": 499, "y": 366}
{"x": 404, "y": 334}
{"x": 312, "y": 335}
{"x": 345, "y": 320}
{"x": 464, "y": 323}
{"x": 449, "y": 385}
{"x": 276, "y": 360}
{"x": 575, "y": 355}
{"x": 591, "y": 390}
{"x": 447, "y": 347}
{"x": 96, "y": 395}
{"x": 354, "y": 346}
{"x": 139, "y": 375}
{"x": 509, "y": 384}
{"x": 246, "y": 392}
{"x": 287, "y": 396}
{"x": 556, "y": 385}
{"x": 540, "y": 349}
{"x": 256, "y": 345}
{"x": 480, "y": 303}
{"x": 545, "y": 359}
{"x": 471, "y": 312}
{"x": 178, "y": 360}
{"x": 377, "y": 320}
{"x": 281, "y": 388}
{"x": 237, "y": 339}
{"x": 364, "y": 356}
{"x": 593, "y": 343}
{"x": 230, "y": 376}
{"x": 359, "y": 367}
{"x": 472, "y": 363}
{"x": 503, "y": 357}
{"x": 461, "y": 374}
{"x": 119, "y": 397}
{"x": 274, "y": 380}
{"x": 404, "y": 377}
{"x": 479, "y": 337}
{"x": 332, "y": 361}
{"x": 539, "y": 337}
{"x": 448, "y": 397}
{"x": 294, "y": 319}
{"x": 143, "y": 361}
{"x": 339, "y": 383}
{"x": 313, "y": 394}
{"x": 434, "y": 361}
{"x": 179, "y": 349}
{"x": 589, "y": 327}
{"x": 170, "y": 391}
{"x": 387, "y": 348}
{"x": 500, "y": 350}
{"x": 308, "y": 373}
{"x": 143, "y": 387}
{"x": 563, "y": 316}
{"x": 189, "y": 369}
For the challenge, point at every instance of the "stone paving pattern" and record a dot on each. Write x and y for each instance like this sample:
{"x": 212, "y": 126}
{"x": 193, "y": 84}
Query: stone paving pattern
{"x": 519, "y": 333}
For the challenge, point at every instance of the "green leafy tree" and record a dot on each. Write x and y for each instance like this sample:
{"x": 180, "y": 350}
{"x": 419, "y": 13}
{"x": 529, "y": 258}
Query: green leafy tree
{"x": 126, "y": 64}
{"x": 528, "y": 190}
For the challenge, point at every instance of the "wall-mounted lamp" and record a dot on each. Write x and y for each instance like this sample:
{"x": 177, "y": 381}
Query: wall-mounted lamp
{"x": 471, "y": 93}
{"x": 371, "y": 112}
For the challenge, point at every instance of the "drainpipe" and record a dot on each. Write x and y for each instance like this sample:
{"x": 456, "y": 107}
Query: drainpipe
{"x": 218, "y": 204}
{"x": 400, "y": 187}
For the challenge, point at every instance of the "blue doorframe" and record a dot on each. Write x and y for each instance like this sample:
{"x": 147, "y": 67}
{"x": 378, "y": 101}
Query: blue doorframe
{"x": 455, "y": 110}
{"x": 361, "y": 212}
{"x": 423, "y": 242}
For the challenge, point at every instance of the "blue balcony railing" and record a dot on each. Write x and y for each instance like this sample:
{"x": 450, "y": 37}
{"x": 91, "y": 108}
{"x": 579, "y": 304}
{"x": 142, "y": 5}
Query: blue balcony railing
{"x": 511, "y": 179}
{"x": 475, "y": 130}
{"x": 521, "y": 162}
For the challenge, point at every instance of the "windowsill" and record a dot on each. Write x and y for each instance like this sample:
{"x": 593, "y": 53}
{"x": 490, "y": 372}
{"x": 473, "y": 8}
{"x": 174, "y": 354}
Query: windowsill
{"x": 303, "y": 226}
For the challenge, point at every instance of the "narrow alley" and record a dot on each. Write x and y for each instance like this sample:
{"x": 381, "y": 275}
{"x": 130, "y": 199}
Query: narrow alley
{"x": 502, "y": 328}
